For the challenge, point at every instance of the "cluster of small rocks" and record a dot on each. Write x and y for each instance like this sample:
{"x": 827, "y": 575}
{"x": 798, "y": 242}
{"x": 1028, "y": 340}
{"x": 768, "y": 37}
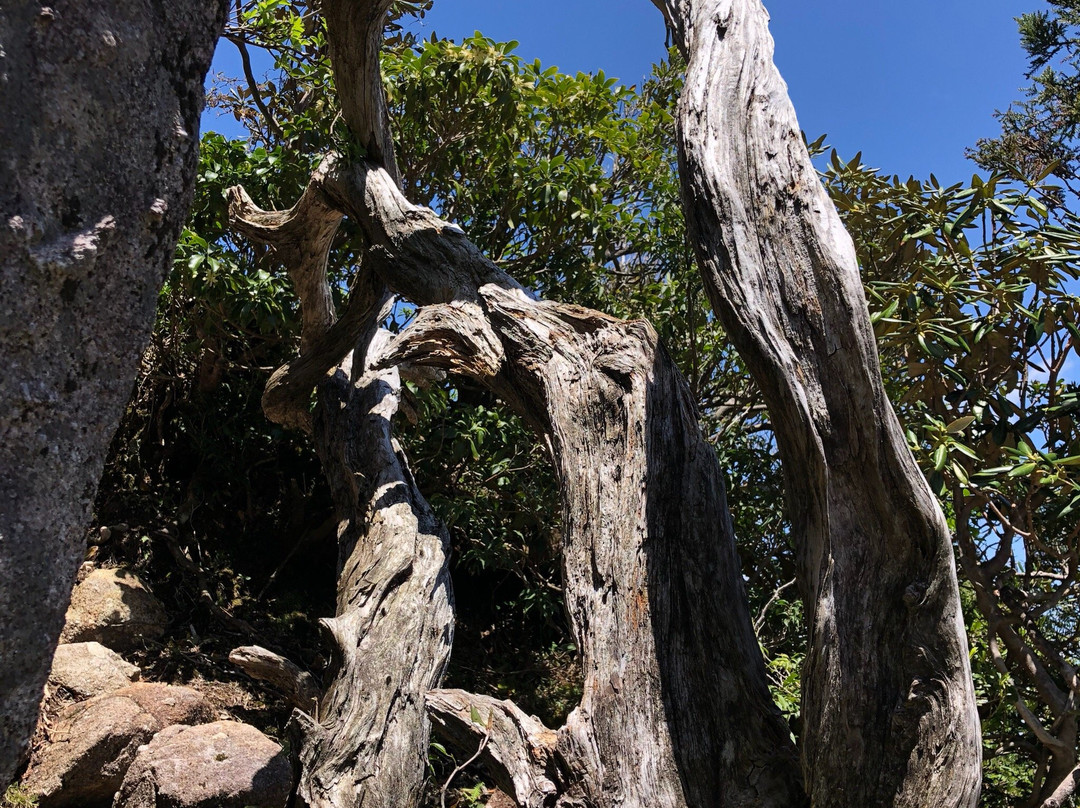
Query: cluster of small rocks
{"x": 132, "y": 744}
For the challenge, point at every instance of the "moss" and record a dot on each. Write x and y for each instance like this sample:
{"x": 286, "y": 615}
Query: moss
{"x": 16, "y": 797}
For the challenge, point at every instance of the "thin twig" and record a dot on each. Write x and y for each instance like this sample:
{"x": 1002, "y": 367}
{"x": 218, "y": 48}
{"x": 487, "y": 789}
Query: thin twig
{"x": 466, "y": 764}
{"x": 764, "y": 609}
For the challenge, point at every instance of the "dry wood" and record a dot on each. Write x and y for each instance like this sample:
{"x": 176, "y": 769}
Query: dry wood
{"x": 390, "y": 637}
{"x": 675, "y": 709}
{"x": 298, "y": 686}
{"x": 888, "y": 707}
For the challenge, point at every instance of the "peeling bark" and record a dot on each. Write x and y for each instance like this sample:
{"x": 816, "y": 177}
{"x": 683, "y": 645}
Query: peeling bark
{"x": 100, "y": 129}
{"x": 888, "y": 707}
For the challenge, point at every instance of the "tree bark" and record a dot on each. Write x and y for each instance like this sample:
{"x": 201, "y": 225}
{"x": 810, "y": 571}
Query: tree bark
{"x": 366, "y": 743}
{"x": 392, "y": 631}
{"x": 100, "y": 129}
{"x": 888, "y": 708}
{"x": 675, "y": 709}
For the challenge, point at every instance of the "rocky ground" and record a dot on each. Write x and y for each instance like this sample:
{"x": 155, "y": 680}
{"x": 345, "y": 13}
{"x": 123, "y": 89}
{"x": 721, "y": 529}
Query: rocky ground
{"x": 109, "y": 737}
{"x": 133, "y": 718}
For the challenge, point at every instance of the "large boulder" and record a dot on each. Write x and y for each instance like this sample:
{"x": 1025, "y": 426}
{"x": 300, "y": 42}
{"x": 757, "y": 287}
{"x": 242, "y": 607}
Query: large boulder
{"x": 113, "y": 607}
{"x": 221, "y": 765}
{"x": 91, "y": 744}
{"x": 87, "y": 669}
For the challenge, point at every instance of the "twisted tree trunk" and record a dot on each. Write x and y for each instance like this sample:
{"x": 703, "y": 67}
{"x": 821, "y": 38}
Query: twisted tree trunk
{"x": 675, "y": 711}
{"x": 391, "y": 636}
{"x": 100, "y": 128}
{"x": 888, "y": 708}
{"x": 653, "y": 583}
{"x": 366, "y": 741}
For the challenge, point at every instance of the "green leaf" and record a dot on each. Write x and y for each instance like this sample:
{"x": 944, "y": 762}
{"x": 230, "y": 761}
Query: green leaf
{"x": 889, "y": 311}
{"x": 940, "y": 455}
{"x": 960, "y": 424}
{"x": 474, "y": 716}
{"x": 1024, "y": 470}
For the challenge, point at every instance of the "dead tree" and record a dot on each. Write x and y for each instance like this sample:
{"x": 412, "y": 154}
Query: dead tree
{"x": 888, "y": 707}
{"x": 675, "y": 710}
{"x": 365, "y": 739}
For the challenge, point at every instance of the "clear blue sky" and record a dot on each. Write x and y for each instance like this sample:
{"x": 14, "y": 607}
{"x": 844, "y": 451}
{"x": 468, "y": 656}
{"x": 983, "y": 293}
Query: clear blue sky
{"x": 910, "y": 84}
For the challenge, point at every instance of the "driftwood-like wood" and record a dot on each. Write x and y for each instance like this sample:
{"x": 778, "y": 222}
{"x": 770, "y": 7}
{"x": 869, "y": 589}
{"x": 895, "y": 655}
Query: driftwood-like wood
{"x": 675, "y": 709}
{"x": 888, "y": 708}
{"x": 393, "y": 628}
{"x": 519, "y": 752}
{"x": 367, "y": 742}
{"x": 391, "y": 635}
{"x": 285, "y": 676}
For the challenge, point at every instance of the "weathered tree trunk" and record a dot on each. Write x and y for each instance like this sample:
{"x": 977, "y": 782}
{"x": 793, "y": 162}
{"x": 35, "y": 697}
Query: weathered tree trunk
{"x": 393, "y": 629}
{"x": 675, "y": 709}
{"x": 100, "y": 128}
{"x": 367, "y": 741}
{"x": 888, "y": 709}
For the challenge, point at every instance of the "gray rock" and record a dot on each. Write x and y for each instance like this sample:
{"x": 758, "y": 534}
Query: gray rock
{"x": 113, "y": 607}
{"x": 91, "y": 744}
{"x": 221, "y": 765}
{"x": 87, "y": 669}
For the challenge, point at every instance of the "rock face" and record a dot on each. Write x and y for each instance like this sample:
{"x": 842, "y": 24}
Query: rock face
{"x": 113, "y": 607}
{"x": 221, "y": 765}
{"x": 94, "y": 194}
{"x": 92, "y": 744}
{"x": 87, "y": 669}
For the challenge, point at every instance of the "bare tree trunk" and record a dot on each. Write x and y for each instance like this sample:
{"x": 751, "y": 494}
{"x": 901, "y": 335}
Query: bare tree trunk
{"x": 675, "y": 711}
{"x": 392, "y": 632}
{"x": 100, "y": 128}
{"x": 393, "y": 629}
{"x": 367, "y": 741}
{"x": 888, "y": 707}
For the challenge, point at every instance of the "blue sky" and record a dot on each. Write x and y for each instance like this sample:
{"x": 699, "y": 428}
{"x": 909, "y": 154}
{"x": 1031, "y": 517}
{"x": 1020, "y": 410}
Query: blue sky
{"x": 910, "y": 84}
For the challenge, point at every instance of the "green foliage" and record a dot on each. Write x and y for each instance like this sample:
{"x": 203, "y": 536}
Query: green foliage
{"x": 15, "y": 797}
{"x": 1039, "y": 134}
{"x": 970, "y": 302}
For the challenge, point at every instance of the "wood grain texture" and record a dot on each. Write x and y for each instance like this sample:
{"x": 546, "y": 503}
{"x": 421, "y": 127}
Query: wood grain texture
{"x": 366, "y": 744}
{"x": 888, "y": 708}
{"x": 675, "y": 710}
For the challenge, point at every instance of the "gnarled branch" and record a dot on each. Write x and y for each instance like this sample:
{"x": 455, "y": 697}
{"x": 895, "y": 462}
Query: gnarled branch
{"x": 298, "y": 686}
